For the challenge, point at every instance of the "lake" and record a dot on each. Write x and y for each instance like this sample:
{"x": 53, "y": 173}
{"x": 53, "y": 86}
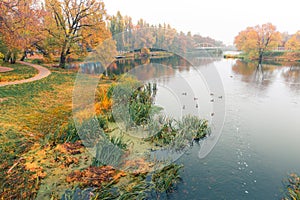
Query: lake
{"x": 259, "y": 143}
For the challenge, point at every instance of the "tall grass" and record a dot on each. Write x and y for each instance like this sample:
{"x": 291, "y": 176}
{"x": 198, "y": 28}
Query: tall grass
{"x": 166, "y": 179}
{"x": 177, "y": 134}
{"x": 293, "y": 187}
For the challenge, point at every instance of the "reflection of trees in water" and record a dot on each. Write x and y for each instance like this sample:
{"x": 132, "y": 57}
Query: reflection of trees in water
{"x": 246, "y": 69}
{"x": 150, "y": 67}
{"x": 204, "y": 61}
{"x": 291, "y": 76}
{"x": 252, "y": 73}
{"x": 92, "y": 68}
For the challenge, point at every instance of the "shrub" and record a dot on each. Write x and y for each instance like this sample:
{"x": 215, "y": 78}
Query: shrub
{"x": 119, "y": 142}
{"x": 89, "y": 131}
{"x": 132, "y": 102}
{"x": 145, "y": 52}
{"x": 1, "y": 55}
{"x": 107, "y": 154}
{"x": 37, "y": 61}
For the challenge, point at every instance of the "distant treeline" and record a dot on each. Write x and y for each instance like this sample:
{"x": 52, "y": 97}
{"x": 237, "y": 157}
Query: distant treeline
{"x": 162, "y": 36}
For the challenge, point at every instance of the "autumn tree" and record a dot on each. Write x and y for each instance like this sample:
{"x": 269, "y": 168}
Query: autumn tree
{"x": 144, "y": 35}
{"x": 117, "y": 28}
{"x": 293, "y": 44}
{"x": 292, "y": 47}
{"x": 255, "y": 41}
{"x": 20, "y": 26}
{"x": 75, "y": 22}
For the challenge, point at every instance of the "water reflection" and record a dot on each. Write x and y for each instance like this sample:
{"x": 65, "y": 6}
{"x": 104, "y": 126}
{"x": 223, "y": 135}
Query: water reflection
{"x": 291, "y": 76}
{"x": 250, "y": 73}
{"x": 122, "y": 66}
{"x": 172, "y": 63}
{"x": 261, "y": 130}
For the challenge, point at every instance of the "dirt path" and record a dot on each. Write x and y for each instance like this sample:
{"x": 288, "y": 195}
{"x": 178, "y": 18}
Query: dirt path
{"x": 43, "y": 73}
{"x": 5, "y": 69}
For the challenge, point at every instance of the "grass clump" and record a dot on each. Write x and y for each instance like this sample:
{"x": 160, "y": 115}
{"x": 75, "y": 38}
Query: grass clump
{"x": 177, "y": 134}
{"x": 165, "y": 179}
{"x": 293, "y": 187}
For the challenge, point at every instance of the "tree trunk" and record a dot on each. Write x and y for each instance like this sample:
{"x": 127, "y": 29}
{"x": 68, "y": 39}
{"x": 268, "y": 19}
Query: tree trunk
{"x": 62, "y": 61}
{"x": 63, "y": 55}
{"x": 12, "y": 57}
{"x": 260, "y": 58}
{"x": 7, "y": 56}
{"x": 12, "y": 60}
{"x": 24, "y": 56}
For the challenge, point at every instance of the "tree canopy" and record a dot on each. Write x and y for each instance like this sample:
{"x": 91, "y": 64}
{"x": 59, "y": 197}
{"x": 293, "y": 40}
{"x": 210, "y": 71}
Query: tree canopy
{"x": 255, "y": 41}
{"x": 20, "y": 25}
{"x": 76, "y": 23}
{"x": 293, "y": 44}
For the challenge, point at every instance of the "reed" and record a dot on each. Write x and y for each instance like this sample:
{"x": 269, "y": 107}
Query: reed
{"x": 166, "y": 179}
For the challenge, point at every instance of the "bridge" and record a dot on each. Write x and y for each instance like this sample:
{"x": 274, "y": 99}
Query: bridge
{"x": 205, "y": 46}
{"x": 208, "y": 48}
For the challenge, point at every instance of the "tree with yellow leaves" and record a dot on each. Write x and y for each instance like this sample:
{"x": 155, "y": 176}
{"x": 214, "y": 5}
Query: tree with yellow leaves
{"x": 77, "y": 23}
{"x": 257, "y": 40}
{"x": 293, "y": 44}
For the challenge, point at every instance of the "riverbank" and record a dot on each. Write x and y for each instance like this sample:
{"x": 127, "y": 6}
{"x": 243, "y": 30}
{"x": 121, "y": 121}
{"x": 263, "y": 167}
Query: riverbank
{"x": 43, "y": 157}
{"x": 144, "y": 53}
{"x": 278, "y": 56}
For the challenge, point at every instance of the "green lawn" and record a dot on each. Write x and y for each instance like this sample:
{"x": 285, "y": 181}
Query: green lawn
{"x": 29, "y": 112}
{"x": 20, "y": 72}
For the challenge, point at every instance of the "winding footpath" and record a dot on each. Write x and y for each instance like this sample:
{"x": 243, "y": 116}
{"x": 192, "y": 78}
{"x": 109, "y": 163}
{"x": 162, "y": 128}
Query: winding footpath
{"x": 43, "y": 73}
{"x": 5, "y": 69}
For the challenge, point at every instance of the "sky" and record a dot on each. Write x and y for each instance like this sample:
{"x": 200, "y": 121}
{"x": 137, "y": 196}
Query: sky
{"x": 219, "y": 19}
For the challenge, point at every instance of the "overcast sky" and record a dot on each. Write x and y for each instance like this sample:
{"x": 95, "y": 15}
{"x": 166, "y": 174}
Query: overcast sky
{"x": 219, "y": 19}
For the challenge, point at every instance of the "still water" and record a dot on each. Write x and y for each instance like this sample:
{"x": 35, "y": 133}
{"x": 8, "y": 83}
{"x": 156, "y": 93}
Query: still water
{"x": 260, "y": 141}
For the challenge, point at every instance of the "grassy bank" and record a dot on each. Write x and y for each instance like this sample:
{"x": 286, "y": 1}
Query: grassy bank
{"x": 42, "y": 156}
{"x": 276, "y": 56}
{"x": 28, "y": 113}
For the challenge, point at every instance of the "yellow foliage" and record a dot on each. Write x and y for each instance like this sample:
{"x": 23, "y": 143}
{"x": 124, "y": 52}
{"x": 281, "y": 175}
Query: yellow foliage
{"x": 84, "y": 114}
{"x": 294, "y": 42}
{"x": 256, "y": 40}
{"x": 103, "y": 103}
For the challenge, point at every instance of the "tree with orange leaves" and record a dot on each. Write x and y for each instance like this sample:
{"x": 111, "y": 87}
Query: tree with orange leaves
{"x": 255, "y": 41}
{"x": 20, "y": 26}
